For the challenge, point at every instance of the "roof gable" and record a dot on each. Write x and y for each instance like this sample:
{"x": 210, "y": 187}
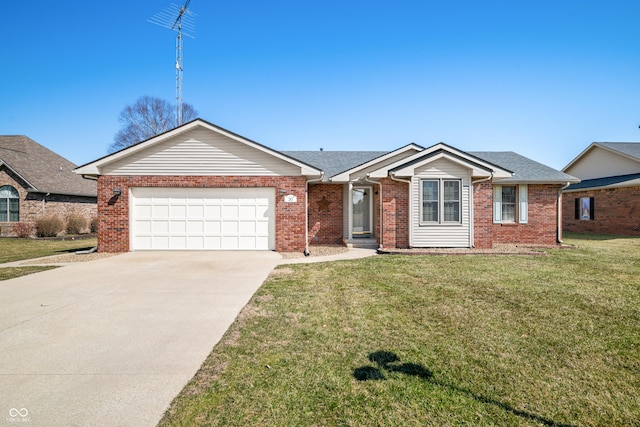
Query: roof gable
{"x": 41, "y": 169}
{"x": 603, "y": 159}
{"x": 478, "y": 166}
{"x": 198, "y": 148}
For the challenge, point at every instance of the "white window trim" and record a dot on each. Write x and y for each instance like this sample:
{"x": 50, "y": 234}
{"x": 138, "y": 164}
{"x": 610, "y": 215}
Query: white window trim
{"x": 522, "y": 205}
{"x": 441, "y": 201}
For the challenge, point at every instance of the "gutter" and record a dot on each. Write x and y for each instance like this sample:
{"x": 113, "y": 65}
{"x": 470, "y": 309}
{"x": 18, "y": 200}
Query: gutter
{"x": 559, "y": 225}
{"x": 306, "y": 212}
{"x": 393, "y": 177}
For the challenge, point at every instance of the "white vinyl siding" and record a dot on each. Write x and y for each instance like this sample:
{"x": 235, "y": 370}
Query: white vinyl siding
{"x": 599, "y": 163}
{"x": 441, "y": 234}
{"x": 202, "y": 218}
{"x": 204, "y": 153}
{"x": 510, "y": 204}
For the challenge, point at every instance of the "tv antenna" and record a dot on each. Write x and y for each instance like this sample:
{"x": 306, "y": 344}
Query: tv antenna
{"x": 179, "y": 19}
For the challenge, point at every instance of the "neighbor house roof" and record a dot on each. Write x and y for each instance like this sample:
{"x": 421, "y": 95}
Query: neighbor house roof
{"x": 607, "y": 182}
{"x": 523, "y": 168}
{"x": 630, "y": 150}
{"x": 42, "y": 170}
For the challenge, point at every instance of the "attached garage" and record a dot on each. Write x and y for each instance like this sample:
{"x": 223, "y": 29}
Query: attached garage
{"x": 201, "y": 187}
{"x": 202, "y": 218}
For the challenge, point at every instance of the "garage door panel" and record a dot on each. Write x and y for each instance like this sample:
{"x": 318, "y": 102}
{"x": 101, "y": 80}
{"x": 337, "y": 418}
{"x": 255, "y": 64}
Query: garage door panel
{"x": 203, "y": 218}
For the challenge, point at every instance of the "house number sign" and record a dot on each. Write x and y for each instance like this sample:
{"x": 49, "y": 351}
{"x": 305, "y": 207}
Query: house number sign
{"x": 290, "y": 198}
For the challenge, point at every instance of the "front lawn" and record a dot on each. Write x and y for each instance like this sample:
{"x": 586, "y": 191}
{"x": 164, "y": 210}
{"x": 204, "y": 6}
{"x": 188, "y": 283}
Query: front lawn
{"x": 434, "y": 340}
{"x": 14, "y": 249}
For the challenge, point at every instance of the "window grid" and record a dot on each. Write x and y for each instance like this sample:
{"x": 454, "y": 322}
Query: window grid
{"x": 441, "y": 201}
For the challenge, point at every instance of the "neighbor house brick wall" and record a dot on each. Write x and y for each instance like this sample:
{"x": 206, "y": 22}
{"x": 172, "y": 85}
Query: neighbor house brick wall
{"x": 395, "y": 214}
{"x": 326, "y": 213}
{"x": 542, "y": 225}
{"x": 113, "y": 214}
{"x": 616, "y": 211}
{"x": 36, "y": 205}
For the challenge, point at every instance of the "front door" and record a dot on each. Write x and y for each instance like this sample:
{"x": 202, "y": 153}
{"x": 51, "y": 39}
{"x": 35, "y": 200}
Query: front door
{"x": 361, "y": 210}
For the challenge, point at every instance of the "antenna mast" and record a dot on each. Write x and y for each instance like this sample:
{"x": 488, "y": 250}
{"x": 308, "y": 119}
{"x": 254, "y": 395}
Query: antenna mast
{"x": 179, "y": 19}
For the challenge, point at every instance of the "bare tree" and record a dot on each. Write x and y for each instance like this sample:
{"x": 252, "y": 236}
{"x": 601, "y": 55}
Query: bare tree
{"x": 146, "y": 118}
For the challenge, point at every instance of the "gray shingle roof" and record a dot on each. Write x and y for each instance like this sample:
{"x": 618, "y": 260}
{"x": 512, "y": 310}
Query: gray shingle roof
{"x": 334, "y": 162}
{"x": 524, "y": 169}
{"x": 629, "y": 148}
{"x": 45, "y": 171}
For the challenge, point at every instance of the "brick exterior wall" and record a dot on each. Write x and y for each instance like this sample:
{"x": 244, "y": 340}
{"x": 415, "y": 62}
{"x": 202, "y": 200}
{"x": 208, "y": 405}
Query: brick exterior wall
{"x": 542, "y": 225}
{"x": 36, "y": 205}
{"x": 395, "y": 214}
{"x": 113, "y": 214}
{"x": 326, "y": 210}
{"x": 616, "y": 211}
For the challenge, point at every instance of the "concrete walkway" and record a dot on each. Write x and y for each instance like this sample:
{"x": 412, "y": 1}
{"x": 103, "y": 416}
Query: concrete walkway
{"x": 111, "y": 342}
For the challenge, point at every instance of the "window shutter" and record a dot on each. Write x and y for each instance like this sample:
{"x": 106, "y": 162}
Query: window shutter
{"x": 577, "y": 208}
{"x": 592, "y": 207}
{"x": 497, "y": 203}
{"x": 523, "y": 214}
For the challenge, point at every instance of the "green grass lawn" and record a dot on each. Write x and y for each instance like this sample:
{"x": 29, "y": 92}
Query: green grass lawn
{"x": 439, "y": 340}
{"x": 13, "y": 249}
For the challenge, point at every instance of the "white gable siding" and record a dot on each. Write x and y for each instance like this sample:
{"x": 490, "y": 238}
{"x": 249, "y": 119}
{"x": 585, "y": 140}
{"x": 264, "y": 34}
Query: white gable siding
{"x": 201, "y": 152}
{"x": 600, "y": 163}
{"x": 440, "y": 235}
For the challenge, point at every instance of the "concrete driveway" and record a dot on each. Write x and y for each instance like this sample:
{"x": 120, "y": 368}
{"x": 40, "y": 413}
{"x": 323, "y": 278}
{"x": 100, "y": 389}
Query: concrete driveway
{"x": 111, "y": 342}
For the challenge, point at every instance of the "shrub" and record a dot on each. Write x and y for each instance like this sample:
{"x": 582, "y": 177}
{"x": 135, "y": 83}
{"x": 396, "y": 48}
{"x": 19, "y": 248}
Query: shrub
{"x": 49, "y": 226}
{"x": 76, "y": 224}
{"x": 93, "y": 226}
{"x": 22, "y": 229}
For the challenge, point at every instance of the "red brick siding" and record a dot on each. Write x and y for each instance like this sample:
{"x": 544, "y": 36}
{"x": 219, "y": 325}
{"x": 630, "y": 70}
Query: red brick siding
{"x": 36, "y": 205}
{"x": 617, "y": 211}
{"x": 113, "y": 214}
{"x": 542, "y": 225}
{"x": 395, "y": 214}
{"x": 326, "y": 226}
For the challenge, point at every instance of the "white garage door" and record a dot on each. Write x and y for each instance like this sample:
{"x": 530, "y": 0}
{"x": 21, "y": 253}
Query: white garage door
{"x": 202, "y": 218}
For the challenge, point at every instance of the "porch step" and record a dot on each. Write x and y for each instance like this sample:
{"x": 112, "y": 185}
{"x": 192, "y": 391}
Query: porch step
{"x": 364, "y": 243}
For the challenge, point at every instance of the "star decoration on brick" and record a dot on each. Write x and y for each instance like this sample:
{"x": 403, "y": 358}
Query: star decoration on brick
{"x": 323, "y": 205}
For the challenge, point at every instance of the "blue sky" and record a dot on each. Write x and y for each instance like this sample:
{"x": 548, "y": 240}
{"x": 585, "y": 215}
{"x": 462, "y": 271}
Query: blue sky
{"x": 543, "y": 78}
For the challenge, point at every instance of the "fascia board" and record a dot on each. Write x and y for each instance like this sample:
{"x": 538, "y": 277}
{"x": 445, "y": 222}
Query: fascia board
{"x": 603, "y": 147}
{"x": 345, "y": 176}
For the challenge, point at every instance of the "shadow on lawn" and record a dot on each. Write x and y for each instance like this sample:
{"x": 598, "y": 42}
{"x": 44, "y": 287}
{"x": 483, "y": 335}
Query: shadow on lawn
{"x": 388, "y": 361}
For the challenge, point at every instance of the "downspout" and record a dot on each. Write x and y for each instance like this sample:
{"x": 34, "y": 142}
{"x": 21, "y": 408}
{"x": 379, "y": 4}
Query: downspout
{"x": 408, "y": 181}
{"x": 306, "y": 213}
{"x": 380, "y": 208}
{"x": 559, "y": 231}
{"x": 472, "y": 219}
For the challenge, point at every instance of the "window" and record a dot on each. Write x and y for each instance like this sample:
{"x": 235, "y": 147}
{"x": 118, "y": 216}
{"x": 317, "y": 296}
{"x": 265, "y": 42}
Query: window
{"x": 585, "y": 208}
{"x": 441, "y": 201}
{"x": 510, "y": 204}
{"x": 9, "y": 204}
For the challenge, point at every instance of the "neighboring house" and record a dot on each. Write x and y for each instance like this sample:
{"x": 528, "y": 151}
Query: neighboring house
{"x": 607, "y": 200}
{"x": 35, "y": 181}
{"x": 202, "y": 187}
